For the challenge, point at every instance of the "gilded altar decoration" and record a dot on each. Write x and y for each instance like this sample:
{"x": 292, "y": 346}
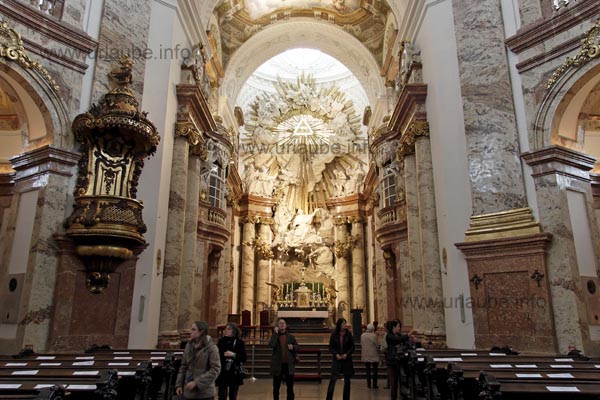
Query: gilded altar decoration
{"x": 343, "y": 246}
{"x": 106, "y": 224}
{"x": 11, "y": 48}
{"x": 590, "y": 49}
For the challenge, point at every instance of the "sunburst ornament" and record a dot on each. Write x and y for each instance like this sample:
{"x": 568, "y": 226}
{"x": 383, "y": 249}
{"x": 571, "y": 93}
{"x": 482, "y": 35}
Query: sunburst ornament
{"x": 295, "y": 133}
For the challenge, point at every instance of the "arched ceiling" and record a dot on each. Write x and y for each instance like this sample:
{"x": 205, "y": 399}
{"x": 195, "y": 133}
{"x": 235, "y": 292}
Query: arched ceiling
{"x": 308, "y": 34}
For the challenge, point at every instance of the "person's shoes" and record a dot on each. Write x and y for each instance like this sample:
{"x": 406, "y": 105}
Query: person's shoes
{"x": 375, "y": 387}
{"x": 369, "y": 385}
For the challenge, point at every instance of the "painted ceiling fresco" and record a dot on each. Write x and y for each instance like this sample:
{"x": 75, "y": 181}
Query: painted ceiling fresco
{"x": 240, "y": 19}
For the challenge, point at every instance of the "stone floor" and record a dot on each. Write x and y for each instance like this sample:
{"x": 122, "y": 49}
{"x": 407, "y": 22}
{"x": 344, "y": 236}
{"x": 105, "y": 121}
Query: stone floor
{"x": 261, "y": 389}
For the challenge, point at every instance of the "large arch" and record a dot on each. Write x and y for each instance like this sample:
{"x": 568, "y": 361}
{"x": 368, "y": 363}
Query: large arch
{"x": 303, "y": 33}
{"x": 46, "y": 109}
{"x": 564, "y": 99}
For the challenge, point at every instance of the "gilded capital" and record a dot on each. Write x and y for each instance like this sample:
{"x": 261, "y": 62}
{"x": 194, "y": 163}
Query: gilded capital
{"x": 408, "y": 138}
{"x": 189, "y": 131}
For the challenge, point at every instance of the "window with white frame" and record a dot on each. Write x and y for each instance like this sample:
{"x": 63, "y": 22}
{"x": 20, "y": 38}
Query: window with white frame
{"x": 216, "y": 192}
{"x": 388, "y": 186}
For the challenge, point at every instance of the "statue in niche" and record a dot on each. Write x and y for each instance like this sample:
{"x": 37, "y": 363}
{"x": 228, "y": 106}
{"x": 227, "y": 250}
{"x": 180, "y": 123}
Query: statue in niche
{"x": 302, "y": 230}
{"x": 339, "y": 182}
{"x": 259, "y": 182}
{"x": 321, "y": 259}
{"x": 355, "y": 182}
{"x": 282, "y": 218}
{"x": 325, "y": 228}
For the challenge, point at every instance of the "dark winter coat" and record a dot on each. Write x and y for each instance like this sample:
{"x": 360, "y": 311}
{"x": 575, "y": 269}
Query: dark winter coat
{"x": 236, "y": 345}
{"x": 345, "y": 367}
{"x": 276, "y": 356}
{"x": 396, "y": 346}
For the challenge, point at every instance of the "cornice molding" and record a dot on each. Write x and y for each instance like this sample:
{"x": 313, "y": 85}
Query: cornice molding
{"x": 534, "y": 34}
{"x": 49, "y": 26}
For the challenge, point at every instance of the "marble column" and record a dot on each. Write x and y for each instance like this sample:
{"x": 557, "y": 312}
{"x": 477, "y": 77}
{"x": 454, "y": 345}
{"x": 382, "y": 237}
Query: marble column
{"x": 42, "y": 180}
{"x": 341, "y": 267}
{"x": 248, "y": 273}
{"x": 428, "y": 237}
{"x": 359, "y": 299}
{"x": 262, "y": 272}
{"x": 492, "y": 142}
{"x": 168, "y": 334}
{"x": 187, "y": 314}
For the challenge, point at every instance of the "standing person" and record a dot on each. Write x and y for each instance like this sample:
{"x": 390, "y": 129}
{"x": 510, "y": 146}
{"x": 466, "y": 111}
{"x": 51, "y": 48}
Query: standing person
{"x": 341, "y": 346}
{"x": 284, "y": 347}
{"x": 232, "y": 351}
{"x": 369, "y": 354}
{"x": 396, "y": 345}
{"x": 200, "y": 365}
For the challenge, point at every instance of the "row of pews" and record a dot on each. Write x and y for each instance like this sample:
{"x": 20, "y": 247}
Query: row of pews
{"x": 467, "y": 374}
{"x": 104, "y": 374}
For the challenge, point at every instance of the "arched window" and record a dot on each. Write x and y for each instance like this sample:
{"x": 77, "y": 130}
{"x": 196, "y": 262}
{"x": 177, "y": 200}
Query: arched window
{"x": 388, "y": 186}
{"x": 216, "y": 192}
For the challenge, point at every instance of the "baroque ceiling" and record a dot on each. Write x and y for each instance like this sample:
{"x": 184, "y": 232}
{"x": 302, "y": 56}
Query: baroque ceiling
{"x": 239, "y": 20}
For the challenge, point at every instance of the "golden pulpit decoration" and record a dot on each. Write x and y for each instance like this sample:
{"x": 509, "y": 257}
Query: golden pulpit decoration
{"x": 106, "y": 224}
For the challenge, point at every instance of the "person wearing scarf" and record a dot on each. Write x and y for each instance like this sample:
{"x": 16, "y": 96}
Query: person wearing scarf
{"x": 200, "y": 365}
{"x": 341, "y": 346}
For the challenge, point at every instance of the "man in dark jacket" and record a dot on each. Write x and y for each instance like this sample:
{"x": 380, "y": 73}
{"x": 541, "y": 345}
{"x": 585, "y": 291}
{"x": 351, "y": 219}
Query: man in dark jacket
{"x": 284, "y": 348}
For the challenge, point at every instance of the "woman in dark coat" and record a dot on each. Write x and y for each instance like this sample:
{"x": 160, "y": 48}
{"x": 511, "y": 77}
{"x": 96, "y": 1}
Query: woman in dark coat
{"x": 232, "y": 351}
{"x": 341, "y": 346}
{"x": 397, "y": 344}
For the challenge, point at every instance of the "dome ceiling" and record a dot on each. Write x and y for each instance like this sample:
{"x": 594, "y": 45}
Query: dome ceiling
{"x": 239, "y": 20}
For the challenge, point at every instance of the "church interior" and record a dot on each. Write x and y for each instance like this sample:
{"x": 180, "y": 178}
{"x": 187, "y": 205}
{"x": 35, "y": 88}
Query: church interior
{"x": 169, "y": 161}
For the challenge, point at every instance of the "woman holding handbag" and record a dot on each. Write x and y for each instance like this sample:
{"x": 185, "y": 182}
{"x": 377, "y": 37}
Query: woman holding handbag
{"x": 200, "y": 365}
{"x": 232, "y": 351}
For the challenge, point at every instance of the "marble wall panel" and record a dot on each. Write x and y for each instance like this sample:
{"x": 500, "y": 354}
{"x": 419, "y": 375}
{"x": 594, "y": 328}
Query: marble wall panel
{"x": 120, "y": 19}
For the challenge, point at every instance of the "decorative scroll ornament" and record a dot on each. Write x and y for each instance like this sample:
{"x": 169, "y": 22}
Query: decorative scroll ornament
{"x": 407, "y": 141}
{"x": 106, "y": 224}
{"x": 11, "y": 48}
{"x": 590, "y": 49}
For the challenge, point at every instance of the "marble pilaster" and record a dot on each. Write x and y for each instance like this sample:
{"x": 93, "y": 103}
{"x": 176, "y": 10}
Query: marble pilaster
{"x": 169, "y": 306}
{"x": 417, "y": 296}
{"x": 262, "y": 273}
{"x": 341, "y": 267}
{"x": 492, "y": 142}
{"x": 248, "y": 273}
{"x": 359, "y": 298}
{"x": 45, "y": 171}
{"x": 186, "y": 313}
{"x": 428, "y": 236}
{"x": 556, "y": 172}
